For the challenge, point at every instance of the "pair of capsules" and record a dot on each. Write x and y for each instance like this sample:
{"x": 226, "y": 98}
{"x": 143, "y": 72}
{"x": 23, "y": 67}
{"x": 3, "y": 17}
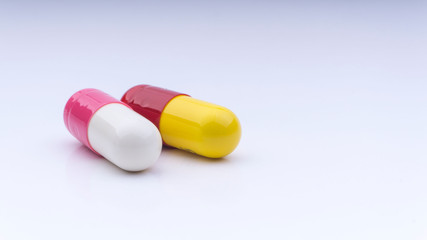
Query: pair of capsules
{"x": 130, "y": 133}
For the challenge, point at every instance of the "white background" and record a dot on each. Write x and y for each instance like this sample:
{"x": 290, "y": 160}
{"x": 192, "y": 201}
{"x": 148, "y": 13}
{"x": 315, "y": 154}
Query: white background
{"x": 331, "y": 97}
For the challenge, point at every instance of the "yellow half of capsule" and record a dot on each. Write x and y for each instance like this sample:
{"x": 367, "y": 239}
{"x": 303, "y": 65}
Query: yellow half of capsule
{"x": 200, "y": 127}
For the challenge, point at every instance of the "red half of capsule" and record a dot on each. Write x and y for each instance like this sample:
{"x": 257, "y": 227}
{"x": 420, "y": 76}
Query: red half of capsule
{"x": 149, "y": 101}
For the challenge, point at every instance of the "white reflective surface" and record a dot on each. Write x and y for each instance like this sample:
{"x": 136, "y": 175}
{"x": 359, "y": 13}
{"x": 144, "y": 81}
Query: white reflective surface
{"x": 331, "y": 97}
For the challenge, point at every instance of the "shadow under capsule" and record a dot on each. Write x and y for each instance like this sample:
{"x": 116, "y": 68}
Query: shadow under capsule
{"x": 84, "y": 161}
{"x": 192, "y": 156}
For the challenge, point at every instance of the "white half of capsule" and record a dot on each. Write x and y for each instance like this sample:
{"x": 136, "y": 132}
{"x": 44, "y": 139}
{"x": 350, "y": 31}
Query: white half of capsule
{"x": 124, "y": 137}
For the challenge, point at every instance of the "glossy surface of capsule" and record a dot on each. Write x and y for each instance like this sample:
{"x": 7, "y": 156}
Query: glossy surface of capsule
{"x": 112, "y": 129}
{"x": 187, "y": 123}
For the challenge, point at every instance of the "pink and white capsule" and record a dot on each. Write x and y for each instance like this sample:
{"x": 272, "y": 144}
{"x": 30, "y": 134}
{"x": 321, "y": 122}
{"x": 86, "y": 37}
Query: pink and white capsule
{"x": 112, "y": 129}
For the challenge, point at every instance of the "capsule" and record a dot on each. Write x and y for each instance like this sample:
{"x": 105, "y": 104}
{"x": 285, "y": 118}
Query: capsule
{"x": 187, "y": 123}
{"x": 112, "y": 129}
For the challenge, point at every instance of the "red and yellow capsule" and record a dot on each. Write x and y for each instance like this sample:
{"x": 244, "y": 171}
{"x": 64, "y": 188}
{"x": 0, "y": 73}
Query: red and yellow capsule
{"x": 186, "y": 123}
